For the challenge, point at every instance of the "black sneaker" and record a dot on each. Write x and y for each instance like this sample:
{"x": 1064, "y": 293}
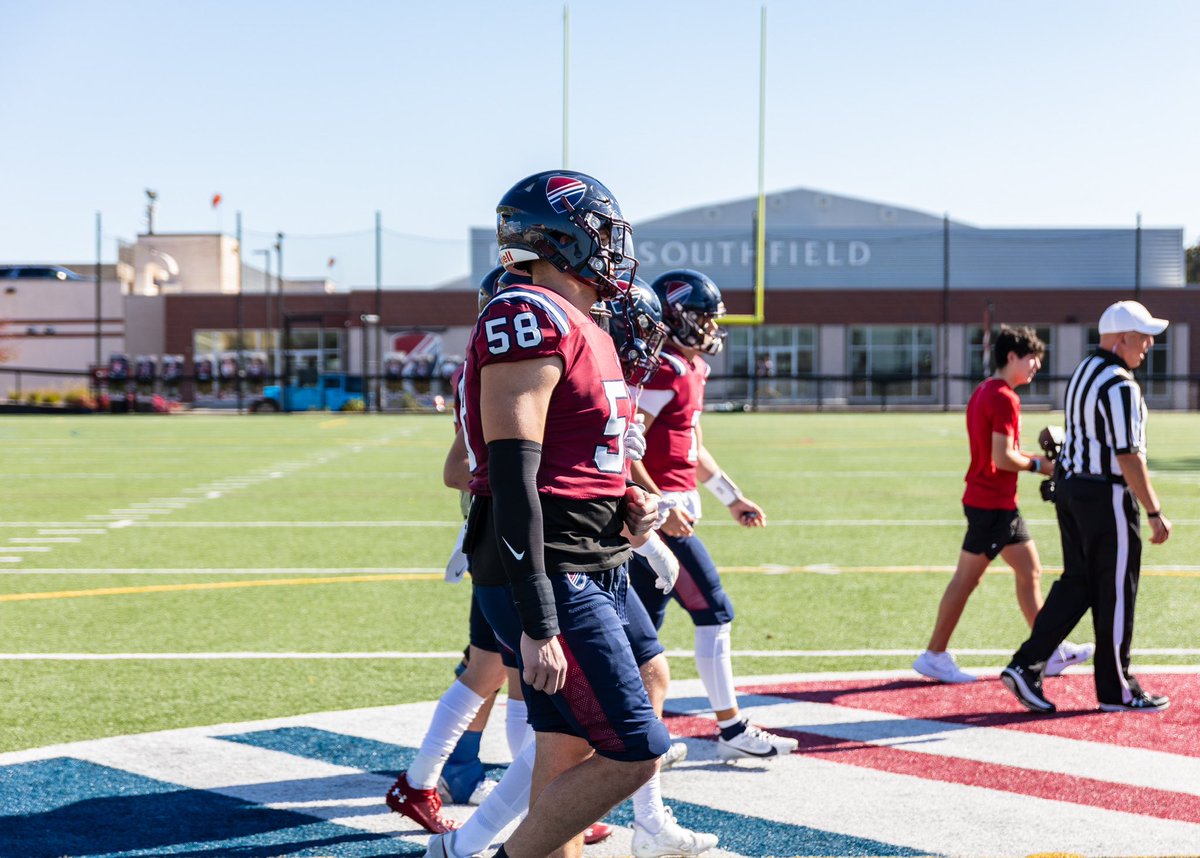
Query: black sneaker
{"x": 1142, "y": 702}
{"x": 1026, "y": 684}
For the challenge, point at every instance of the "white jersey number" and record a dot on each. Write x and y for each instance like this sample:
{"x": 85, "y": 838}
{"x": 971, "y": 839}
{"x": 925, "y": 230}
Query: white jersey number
{"x": 606, "y": 460}
{"x": 525, "y": 327}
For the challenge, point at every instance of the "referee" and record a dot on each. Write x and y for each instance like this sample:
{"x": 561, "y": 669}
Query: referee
{"x": 1102, "y": 487}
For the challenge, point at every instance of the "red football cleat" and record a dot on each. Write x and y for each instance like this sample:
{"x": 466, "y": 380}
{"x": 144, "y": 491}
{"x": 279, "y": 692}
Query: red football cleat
{"x": 422, "y": 806}
{"x": 596, "y": 832}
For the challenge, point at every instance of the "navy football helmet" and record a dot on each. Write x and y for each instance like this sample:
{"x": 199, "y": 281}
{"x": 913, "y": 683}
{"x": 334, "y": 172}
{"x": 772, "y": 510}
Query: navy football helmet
{"x": 691, "y": 306}
{"x": 497, "y": 280}
{"x": 571, "y": 221}
{"x": 637, "y": 330}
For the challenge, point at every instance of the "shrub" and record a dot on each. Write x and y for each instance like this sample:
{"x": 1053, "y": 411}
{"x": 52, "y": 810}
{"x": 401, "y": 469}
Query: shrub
{"x": 354, "y": 405}
{"x": 79, "y": 398}
{"x": 51, "y": 397}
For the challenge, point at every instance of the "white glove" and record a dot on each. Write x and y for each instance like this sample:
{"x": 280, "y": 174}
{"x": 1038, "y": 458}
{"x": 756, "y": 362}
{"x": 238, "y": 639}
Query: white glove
{"x": 661, "y": 560}
{"x": 665, "y": 505}
{"x": 456, "y": 567}
{"x": 635, "y": 439}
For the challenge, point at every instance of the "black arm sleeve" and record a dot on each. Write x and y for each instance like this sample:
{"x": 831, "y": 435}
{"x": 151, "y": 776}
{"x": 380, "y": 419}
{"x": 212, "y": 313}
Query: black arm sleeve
{"x": 517, "y": 516}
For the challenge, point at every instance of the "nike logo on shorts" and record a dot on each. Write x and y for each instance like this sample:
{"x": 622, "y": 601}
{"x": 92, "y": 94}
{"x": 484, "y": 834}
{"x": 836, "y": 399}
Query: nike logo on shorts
{"x": 520, "y": 556}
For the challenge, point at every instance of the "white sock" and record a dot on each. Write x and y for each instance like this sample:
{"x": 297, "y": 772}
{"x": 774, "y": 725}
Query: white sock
{"x": 516, "y": 725}
{"x": 714, "y": 662}
{"x": 506, "y": 802}
{"x": 648, "y": 807}
{"x": 453, "y": 715}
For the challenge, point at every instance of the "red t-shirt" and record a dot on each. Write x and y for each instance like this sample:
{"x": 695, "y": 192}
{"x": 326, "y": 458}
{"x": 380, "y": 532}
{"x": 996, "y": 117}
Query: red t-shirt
{"x": 994, "y": 407}
{"x": 583, "y": 451}
{"x": 672, "y": 443}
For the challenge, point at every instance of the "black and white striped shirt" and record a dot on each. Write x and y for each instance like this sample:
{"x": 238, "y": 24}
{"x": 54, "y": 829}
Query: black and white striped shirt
{"x": 1105, "y": 416}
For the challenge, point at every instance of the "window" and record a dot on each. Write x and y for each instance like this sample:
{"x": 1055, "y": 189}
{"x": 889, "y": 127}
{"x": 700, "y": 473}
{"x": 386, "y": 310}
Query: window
{"x": 782, "y": 353}
{"x": 893, "y": 361}
{"x": 1040, "y": 388}
{"x": 1152, "y": 374}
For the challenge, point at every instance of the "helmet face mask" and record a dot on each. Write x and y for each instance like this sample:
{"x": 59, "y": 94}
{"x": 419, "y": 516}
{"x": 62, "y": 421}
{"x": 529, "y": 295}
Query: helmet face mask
{"x": 571, "y": 221}
{"x": 638, "y": 332}
{"x": 691, "y": 308}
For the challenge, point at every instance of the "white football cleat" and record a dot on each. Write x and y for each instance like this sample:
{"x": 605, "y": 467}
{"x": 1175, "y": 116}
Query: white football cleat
{"x": 673, "y": 840}
{"x": 442, "y": 846}
{"x": 754, "y": 742}
{"x": 1066, "y": 655}
{"x": 677, "y": 753}
{"x": 941, "y": 666}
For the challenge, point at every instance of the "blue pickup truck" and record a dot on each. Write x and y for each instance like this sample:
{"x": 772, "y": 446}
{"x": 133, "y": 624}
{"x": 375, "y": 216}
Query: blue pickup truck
{"x": 329, "y": 392}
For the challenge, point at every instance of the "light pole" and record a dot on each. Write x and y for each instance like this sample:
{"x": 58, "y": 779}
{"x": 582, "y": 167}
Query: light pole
{"x": 368, "y": 319}
{"x": 281, "y": 362}
{"x": 266, "y": 255}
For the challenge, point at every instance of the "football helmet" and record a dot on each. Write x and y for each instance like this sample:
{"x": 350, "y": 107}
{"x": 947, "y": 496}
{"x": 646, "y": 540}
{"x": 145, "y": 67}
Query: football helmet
{"x": 691, "y": 306}
{"x": 497, "y": 280}
{"x": 635, "y": 324}
{"x": 571, "y": 221}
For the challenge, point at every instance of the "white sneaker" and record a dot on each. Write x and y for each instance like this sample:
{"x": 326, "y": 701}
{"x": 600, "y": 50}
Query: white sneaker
{"x": 442, "y": 846}
{"x": 482, "y": 790}
{"x": 941, "y": 666}
{"x": 673, "y": 840}
{"x": 754, "y": 742}
{"x": 1066, "y": 655}
{"x": 677, "y": 753}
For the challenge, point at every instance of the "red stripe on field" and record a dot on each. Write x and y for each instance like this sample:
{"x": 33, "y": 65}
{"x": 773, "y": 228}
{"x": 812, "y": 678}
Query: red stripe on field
{"x": 1143, "y": 801}
{"x": 987, "y": 703}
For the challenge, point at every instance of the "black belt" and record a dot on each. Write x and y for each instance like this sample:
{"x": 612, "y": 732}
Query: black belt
{"x": 1096, "y": 478}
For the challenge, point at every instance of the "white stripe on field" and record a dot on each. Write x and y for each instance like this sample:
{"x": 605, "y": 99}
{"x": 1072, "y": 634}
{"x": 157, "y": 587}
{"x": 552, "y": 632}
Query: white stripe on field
{"x": 11, "y": 559}
{"x": 820, "y": 568}
{"x": 392, "y": 655}
{"x": 311, "y": 570}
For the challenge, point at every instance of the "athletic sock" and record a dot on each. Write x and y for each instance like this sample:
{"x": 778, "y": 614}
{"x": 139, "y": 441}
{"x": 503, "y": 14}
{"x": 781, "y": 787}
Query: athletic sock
{"x": 506, "y": 802}
{"x": 714, "y": 662}
{"x": 454, "y": 712}
{"x": 730, "y": 729}
{"x": 648, "y": 808}
{"x": 516, "y": 726}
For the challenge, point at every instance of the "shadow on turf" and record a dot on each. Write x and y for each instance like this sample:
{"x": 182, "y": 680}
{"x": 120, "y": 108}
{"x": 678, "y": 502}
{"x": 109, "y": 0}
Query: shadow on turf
{"x": 182, "y": 823}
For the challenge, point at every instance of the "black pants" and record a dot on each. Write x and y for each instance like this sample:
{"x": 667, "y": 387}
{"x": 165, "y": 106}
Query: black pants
{"x": 1102, "y": 556}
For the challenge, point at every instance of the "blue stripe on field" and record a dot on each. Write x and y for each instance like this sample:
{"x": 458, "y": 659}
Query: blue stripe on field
{"x": 747, "y": 835}
{"x": 337, "y": 749}
{"x": 65, "y": 806}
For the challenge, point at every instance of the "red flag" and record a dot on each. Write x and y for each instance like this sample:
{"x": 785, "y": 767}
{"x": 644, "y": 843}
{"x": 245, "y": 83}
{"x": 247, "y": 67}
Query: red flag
{"x": 216, "y": 200}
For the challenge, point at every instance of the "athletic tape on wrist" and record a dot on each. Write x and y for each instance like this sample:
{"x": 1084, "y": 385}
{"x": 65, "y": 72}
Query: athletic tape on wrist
{"x": 724, "y": 489}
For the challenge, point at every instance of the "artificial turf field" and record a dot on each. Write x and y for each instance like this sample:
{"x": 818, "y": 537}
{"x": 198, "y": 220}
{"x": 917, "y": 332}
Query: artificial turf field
{"x": 303, "y": 534}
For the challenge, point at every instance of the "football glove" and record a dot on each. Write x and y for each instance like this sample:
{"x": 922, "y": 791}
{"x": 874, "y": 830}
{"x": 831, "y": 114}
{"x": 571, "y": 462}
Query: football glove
{"x": 456, "y": 567}
{"x": 635, "y": 439}
{"x": 661, "y": 560}
{"x": 665, "y": 505}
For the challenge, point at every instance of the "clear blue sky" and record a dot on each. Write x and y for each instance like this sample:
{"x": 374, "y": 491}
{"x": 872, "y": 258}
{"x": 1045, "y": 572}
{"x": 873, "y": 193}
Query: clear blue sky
{"x": 310, "y": 116}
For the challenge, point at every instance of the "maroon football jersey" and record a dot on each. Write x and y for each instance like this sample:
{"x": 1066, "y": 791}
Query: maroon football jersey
{"x": 583, "y": 451}
{"x": 672, "y": 441}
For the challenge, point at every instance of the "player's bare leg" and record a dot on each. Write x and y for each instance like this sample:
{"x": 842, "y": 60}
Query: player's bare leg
{"x": 967, "y": 576}
{"x": 572, "y": 787}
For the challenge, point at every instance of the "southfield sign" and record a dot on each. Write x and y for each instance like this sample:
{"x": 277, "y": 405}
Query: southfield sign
{"x": 704, "y": 254}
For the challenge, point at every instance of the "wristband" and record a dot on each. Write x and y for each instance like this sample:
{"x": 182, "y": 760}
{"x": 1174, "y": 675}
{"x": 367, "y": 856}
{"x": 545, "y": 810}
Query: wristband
{"x": 724, "y": 489}
{"x": 1156, "y": 514}
{"x": 1035, "y": 465}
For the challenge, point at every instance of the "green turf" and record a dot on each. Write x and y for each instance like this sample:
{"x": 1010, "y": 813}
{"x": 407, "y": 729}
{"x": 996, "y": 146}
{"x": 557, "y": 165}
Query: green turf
{"x": 814, "y": 474}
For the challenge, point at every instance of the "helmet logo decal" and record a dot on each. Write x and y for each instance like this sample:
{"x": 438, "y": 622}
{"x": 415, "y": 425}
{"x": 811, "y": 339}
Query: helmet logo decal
{"x": 564, "y": 193}
{"x": 506, "y": 257}
{"x": 678, "y": 291}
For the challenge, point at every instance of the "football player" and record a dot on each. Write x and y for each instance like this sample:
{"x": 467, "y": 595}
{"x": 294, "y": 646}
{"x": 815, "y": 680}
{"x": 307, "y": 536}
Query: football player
{"x": 675, "y": 461}
{"x": 545, "y": 414}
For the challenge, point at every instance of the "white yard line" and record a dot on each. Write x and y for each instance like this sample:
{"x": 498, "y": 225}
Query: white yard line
{"x": 393, "y": 655}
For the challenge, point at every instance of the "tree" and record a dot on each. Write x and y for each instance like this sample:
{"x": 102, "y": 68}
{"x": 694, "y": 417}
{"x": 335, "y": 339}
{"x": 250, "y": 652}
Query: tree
{"x": 1192, "y": 263}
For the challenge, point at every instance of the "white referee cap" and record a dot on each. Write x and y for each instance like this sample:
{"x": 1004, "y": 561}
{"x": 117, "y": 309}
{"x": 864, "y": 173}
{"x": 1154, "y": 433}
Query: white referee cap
{"x": 1130, "y": 316}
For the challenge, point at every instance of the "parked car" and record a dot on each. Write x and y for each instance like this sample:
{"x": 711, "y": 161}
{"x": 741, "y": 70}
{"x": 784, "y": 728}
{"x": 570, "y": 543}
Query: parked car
{"x": 37, "y": 272}
{"x": 331, "y": 391}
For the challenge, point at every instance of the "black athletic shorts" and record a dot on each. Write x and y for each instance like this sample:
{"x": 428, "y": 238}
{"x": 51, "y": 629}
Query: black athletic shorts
{"x": 990, "y": 530}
